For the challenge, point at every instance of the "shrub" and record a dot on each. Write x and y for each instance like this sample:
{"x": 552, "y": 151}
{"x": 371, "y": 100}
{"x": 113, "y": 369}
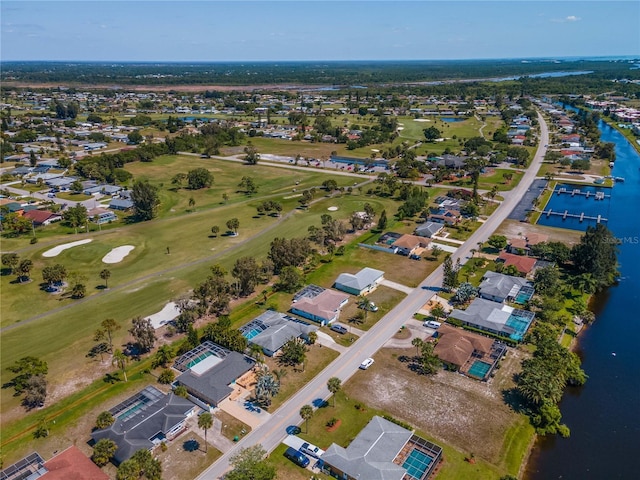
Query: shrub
{"x": 332, "y": 422}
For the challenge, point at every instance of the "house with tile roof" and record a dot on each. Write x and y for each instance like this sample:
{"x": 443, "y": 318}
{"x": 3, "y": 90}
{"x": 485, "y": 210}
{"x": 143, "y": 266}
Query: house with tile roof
{"x": 319, "y": 304}
{"x": 42, "y": 217}
{"x": 524, "y": 265}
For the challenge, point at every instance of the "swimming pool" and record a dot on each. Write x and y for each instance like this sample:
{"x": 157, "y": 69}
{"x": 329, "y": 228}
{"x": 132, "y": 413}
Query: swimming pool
{"x": 251, "y": 333}
{"x": 417, "y": 463}
{"x": 479, "y": 369}
{"x": 198, "y": 359}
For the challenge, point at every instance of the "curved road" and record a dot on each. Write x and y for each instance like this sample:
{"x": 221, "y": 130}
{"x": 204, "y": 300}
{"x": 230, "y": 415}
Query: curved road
{"x": 271, "y": 433}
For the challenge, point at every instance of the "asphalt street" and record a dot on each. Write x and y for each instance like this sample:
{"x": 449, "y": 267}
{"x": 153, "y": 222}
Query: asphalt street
{"x": 271, "y": 433}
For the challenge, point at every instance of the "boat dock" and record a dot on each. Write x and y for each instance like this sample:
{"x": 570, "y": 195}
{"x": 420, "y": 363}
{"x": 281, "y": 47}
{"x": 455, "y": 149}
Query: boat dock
{"x": 577, "y": 191}
{"x": 580, "y": 216}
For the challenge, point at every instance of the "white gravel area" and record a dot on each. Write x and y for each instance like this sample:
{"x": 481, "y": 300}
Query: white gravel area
{"x": 55, "y": 251}
{"x": 117, "y": 254}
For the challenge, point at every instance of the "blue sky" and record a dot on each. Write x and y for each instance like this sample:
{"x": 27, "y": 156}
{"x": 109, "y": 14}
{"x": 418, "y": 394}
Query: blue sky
{"x": 310, "y": 30}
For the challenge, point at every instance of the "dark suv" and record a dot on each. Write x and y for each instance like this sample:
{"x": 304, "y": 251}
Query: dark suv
{"x": 297, "y": 457}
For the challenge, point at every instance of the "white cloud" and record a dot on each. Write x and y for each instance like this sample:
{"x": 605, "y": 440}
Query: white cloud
{"x": 569, "y": 18}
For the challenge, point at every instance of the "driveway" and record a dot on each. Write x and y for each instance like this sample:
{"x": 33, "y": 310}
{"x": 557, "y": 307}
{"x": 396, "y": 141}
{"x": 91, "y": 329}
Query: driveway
{"x": 446, "y": 248}
{"x": 326, "y": 341}
{"x": 244, "y": 411}
{"x": 415, "y": 329}
{"x": 396, "y": 286}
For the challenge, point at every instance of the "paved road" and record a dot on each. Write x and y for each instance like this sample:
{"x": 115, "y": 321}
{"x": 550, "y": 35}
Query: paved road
{"x": 271, "y": 433}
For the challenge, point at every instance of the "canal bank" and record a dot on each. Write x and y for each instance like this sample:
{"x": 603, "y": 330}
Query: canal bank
{"x": 603, "y": 415}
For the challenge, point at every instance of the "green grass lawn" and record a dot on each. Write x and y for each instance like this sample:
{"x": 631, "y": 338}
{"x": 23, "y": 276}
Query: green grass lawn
{"x": 65, "y": 336}
{"x": 353, "y": 420}
{"x": 75, "y": 197}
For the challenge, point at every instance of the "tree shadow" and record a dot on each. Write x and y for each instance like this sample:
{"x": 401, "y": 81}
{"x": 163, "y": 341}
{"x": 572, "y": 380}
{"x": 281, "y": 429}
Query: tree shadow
{"x": 111, "y": 378}
{"x": 191, "y": 445}
{"x": 514, "y": 400}
{"x": 5, "y": 271}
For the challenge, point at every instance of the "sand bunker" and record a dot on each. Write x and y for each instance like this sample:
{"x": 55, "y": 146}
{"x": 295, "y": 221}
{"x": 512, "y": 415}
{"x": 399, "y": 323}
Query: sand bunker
{"x": 117, "y": 254}
{"x": 55, "y": 251}
{"x": 164, "y": 316}
{"x": 421, "y": 120}
{"x": 332, "y": 209}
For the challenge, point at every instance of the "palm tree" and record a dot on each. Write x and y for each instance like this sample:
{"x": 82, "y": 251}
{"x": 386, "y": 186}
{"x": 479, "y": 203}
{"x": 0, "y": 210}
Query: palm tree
{"x": 120, "y": 360}
{"x": 109, "y": 326}
{"x": 585, "y": 282}
{"x": 214, "y": 230}
{"x": 334, "y": 384}
{"x": 418, "y": 343}
{"x": 192, "y": 202}
{"x": 255, "y": 351}
{"x": 105, "y": 275}
{"x": 365, "y": 304}
{"x": 267, "y": 387}
{"x": 205, "y": 422}
{"x": 306, "y": 412}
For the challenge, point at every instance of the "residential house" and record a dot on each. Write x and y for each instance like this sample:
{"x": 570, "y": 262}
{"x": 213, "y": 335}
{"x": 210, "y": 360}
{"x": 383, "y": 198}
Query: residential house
{"x": 461, "y": 349}
{"x": 363, "y": 282}
{"x": 498, "y": 287}
{"x": 271, "y": 330}
{"x": 319, "y": 304}
{"x": 496, "y": 318}
{"x": 411, "y": 244}
{"x": 209, "y": 371}
{"x": 428, "y": 229}
{"x": 70, "y": 464}
{"x": 121, "y": 204}
{"x": 524, "y": 265}
{"x": 380, "y": 452}
{"x": 521, "y": 245}
{"x": 447, "y": 217}
{"x": 101, "y": 216}
{"x": 144, "y": 421}
{"x": 42, "y": 217}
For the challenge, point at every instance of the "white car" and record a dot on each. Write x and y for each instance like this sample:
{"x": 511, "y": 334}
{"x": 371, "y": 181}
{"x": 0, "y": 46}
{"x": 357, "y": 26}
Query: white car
{"x": 311, "y": 449}
{"x": 366, "y": 363}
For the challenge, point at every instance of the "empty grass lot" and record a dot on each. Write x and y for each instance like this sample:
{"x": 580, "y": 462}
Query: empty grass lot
{"x": 466, "y": 414}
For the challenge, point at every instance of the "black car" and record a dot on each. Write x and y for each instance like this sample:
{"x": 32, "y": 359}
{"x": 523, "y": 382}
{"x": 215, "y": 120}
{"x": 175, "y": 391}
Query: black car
{"x": 338, "y": 328}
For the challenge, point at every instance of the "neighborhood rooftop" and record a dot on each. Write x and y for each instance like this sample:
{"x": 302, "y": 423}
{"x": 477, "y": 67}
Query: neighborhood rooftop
{"x": 271, "y": 330}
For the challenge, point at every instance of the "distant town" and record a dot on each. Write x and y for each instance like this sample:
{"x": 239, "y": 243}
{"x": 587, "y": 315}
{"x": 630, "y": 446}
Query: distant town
{"x": 354, "y": 282}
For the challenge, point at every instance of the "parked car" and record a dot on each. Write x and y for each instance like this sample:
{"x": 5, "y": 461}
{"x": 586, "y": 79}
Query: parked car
{"x": 432, "y": 324}
{"x": 338, "y": 328}
{"x": 372, "y": 307}
{"x": 311, "y": 449}
{"x": 297, "y": 457}
{"x": 366, "y": 363}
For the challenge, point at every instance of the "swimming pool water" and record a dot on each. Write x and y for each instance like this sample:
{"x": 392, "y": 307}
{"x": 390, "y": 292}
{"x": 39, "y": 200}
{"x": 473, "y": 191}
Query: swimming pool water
{"x": 198, "y": 359}
{"x": 479, "y": 369}
{"x": 417, "y": 463}
{"x": 251, "y": 333}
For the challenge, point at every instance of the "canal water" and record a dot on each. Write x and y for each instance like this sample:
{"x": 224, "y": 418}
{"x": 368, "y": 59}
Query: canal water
{"x": 576, "y": 207}
{"x": 604, "y": 414}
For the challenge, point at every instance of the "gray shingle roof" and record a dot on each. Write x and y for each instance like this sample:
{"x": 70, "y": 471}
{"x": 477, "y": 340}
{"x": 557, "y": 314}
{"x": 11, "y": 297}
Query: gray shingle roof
{"x": 370, "y": 455}
{"x": 428, "y": 229}
{"x": 280, "y": 329}
{"x": 500, "y": 285}
{"x": 212, "y": 386}
{"x": 160, "y": 414}
{"x": 361, "y": 280}
{"x": 484, "y": 313}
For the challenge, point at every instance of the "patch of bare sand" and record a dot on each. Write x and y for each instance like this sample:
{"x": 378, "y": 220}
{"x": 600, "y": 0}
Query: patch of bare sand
{"x": 513, "y": 228}
{"x": 462, "y": 412}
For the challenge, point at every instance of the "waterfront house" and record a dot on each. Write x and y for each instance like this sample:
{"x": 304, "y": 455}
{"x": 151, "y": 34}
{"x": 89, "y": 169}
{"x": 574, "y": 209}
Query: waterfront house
{"x": 382, "y": 451}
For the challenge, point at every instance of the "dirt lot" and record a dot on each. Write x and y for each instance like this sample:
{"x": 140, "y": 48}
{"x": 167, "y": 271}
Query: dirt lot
{"x": 511, "y": 228}
{"x": 462, "y": 412}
